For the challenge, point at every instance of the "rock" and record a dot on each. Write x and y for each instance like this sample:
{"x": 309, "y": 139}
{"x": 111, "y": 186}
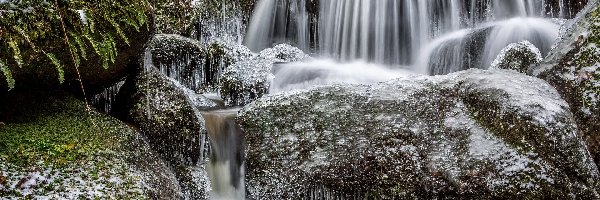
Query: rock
{"x": 572, "y": 68}
{"x": 166, "y": 112}
{"x": 52, "y": 148}
{"x": 194, "y": 182}
{"x": 518, "y": 56}
{"x": 472, "y": 134}
{"x": 194, "y": 65}
{"x": 249, "y": 80}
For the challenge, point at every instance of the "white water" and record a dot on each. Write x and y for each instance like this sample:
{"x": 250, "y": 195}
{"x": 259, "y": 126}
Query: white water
{"x": 278, "y": 21}
{"x": 302, "y": 75}
{"x": 226, "y": 163}
{"x": 398, "y": 33}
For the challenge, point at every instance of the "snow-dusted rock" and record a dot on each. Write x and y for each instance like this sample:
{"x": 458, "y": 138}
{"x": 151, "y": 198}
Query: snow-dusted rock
{"x": 517, "y": 56}
{"x": 248, "y": 80}
{"x": 193, "y": 64}
{"x": 573, "y": 68}
{"x": 166, "y": 112}
{"x": 469, "y": 134}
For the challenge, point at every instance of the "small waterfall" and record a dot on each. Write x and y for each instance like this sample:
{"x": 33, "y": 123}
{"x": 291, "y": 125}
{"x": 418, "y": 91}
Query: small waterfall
{"x": 396, "y": 32}
{"x": 278, "y": 21}
{"x": 226, "y": 162}
{"x": 478, "y": 47}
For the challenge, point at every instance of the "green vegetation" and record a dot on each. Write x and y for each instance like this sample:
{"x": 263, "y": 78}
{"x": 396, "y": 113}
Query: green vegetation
{"x": 63, "y": 32}
{"x": 61, "y": 132}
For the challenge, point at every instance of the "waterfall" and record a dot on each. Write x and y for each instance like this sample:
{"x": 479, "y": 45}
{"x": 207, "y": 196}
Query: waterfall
{"x": 398, "y": 32}
{"x": 226, "y": 162}
{"x": 278, "y": 21}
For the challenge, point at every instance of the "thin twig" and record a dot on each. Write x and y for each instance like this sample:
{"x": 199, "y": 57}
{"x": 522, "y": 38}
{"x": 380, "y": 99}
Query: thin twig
{"x": 87, "y": 105}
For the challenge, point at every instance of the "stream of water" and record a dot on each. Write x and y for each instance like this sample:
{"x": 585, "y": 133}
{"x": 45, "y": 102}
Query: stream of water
{"x": 369, "y": 41}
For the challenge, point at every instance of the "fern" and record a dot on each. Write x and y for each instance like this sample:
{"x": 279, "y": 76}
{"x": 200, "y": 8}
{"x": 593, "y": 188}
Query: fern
{"x": 8, "y": 74}
{"x": 38, "y": 31}
{"x": 56, "y": 63}
{"x": 16, "y": 52}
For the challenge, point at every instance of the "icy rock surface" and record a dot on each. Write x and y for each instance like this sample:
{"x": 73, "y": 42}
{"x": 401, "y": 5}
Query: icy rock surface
{"x": 472, "y": 134}
{"x": 195, "y": 65}
{"x": 248, "y": 80}
{"x": 572, "y": 67}
{"x": 167, "y": 113}
{"x": 517, "y": 56}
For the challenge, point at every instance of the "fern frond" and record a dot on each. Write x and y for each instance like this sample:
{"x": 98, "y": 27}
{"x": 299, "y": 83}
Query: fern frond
{"x": 16, "y": 51}
{"x": 59, "y": 69}
{"x": 8, "y": 75}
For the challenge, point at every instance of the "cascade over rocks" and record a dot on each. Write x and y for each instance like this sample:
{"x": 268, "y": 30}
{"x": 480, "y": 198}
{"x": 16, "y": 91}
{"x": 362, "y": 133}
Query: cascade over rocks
{"x": 572, "y": 67}
{"x": 518, "y": 56}
{"x": 468, "y": 134}
{"x": 249, "y": 80}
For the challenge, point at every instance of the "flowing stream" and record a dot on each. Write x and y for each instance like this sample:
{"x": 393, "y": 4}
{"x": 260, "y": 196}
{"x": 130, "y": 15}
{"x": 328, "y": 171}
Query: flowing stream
{"x": 226, "y": 163}
{"x": 369, "y": 41}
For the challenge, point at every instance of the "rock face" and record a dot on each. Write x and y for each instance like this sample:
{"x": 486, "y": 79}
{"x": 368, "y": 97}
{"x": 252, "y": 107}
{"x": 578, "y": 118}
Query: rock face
{"x": 518, "y": 56}
{"x": 469, "y": 134}
{"x": 194, "y": 65}
{"x": 249, "y": 80}
{"x": 572, "y": 68}
{"x": 167, "y": 113}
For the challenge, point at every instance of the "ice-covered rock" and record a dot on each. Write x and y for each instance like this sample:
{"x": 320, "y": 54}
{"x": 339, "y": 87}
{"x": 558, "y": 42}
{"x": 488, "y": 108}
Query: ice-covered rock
{"x": 167, "y": 113}
{"x": 573, "y": 68}
{"x": 473, "y": 134}
{"x": 248, "y": 80}
{"x": 517, "y": 56}
{"x": 193, "y": 64}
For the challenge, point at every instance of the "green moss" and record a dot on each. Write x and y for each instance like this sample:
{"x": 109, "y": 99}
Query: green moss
{"x": 60, "y": 132}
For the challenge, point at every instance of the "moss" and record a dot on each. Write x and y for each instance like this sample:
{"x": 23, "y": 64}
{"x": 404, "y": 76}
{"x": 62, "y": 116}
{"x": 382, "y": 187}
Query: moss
{"x": 61, "y": 131}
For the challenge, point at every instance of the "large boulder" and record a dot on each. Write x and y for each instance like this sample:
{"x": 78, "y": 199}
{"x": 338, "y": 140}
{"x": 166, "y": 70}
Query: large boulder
{"x": 475, "y": 133}
{"x": 572, "y": 68}
{"x": 249, "y": 80}
{"x": 518, "y": 56}
{"x": 52, "y": 148}
{"x": 167, "y": 112}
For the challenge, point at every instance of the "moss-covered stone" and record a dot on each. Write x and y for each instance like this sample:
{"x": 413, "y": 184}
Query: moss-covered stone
{"x": 518, "y": 56}
{"x": 572, "y": 68}
{"x": 52, "y": 147}
{"x": 167, "y": 113}
{"x": 472, "y": 134}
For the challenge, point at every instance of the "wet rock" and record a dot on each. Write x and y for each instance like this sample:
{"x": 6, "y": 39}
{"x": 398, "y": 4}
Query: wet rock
{"x": 518, "y": 56}
{"x": 572, "y": 68}
{"x": 474, "y": 133}
{"x": 249, "y": 80}
{"x": 52, "y": 148}
{"x": 167, "y": 113}
{"x": 194, "y": 182}
{"x": 193, "y": 64}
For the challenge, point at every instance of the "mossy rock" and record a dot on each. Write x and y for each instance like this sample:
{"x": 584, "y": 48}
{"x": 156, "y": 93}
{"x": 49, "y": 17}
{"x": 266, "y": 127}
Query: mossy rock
{"x": 167, "y": 113}
{"x": 471, "y": 134}
{"x": 517, "y": 56}
{"x": 51, "y": 146}
{"x": 572, "y": 68}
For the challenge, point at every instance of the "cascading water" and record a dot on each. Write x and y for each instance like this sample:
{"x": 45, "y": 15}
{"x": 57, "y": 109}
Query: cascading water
{"x": 398, "y": 32}
{"x": 278, "y": 21}
{"x": 226, "y": 162}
